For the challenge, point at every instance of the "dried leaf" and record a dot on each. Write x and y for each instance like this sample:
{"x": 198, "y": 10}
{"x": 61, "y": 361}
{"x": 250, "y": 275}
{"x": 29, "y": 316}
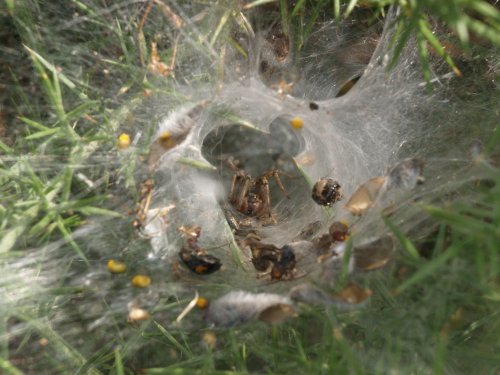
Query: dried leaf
{"x": 353, "y": 294}
{"x": 373, "y": 255}
{"x": 277, "y": 314}
{"x": 365, "y": 196}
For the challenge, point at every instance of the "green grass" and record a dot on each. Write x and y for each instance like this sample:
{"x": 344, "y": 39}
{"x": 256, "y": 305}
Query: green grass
{"x": 438, "y": 314}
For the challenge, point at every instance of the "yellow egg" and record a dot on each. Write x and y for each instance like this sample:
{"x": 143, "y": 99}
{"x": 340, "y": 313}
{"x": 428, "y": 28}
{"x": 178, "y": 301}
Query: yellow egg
{"x": 123, "y": 141}
{"x": 297, "y": 123}
{"x": 201, "y": 303}
{"x": 141, "y": 281}
{"x": 116, "y": 266}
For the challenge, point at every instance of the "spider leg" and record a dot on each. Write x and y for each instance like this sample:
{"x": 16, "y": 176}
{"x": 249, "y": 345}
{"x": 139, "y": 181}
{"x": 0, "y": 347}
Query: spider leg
{"x": 236, "y": 185}
{"x": 264, "y": 195}
{"x": 234, "y": 190}
{"x": 277, "y": 178}
{"x": 241, "y": 201}
{"x": 232, "y": 163}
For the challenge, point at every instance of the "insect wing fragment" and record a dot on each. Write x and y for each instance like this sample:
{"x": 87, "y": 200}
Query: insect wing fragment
{"x": 353, "y": 294}
{"x": 277, "y": 314}
{"x": 365, "y": 196}
{"x": 374, "y": 254}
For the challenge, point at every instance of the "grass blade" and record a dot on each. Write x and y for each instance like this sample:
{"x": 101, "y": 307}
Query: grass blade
{"x": 405, "y": 241}
{"x": 423, "y": 27}
{"x": 173, "y": 340}
{"x": 220, "y": 26}
{"x": 9, "y": 369}
{"x": 350, "y": 8}
{"x": 120, "y": 370}
{"x": 298, "y": 6}
{"x": 60, "y": 345}
{"x": 37, "y": 58}
{"x": 428, "y": 269}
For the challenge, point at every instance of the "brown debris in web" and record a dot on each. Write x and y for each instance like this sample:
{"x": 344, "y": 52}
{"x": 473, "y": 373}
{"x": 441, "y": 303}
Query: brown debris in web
{"x": 155, "y": 65}
{"x": 353, "y": 294}
{"x": 158, "y": 67}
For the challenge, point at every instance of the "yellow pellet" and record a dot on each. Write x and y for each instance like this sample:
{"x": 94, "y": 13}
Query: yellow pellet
{"x": 116, "y": 266}
{"x": 297, "y": 123}
{"x": 123, "y": 141}
{"x": 141, "y": 281}
{"x": 201, "y": 303}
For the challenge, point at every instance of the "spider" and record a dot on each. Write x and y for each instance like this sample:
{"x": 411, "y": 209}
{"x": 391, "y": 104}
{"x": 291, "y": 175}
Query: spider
{"x": 251, "y": 196}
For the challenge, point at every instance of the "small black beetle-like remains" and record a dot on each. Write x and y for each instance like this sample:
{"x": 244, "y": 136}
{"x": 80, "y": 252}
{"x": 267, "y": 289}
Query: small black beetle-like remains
{"x": 326, "y": 192}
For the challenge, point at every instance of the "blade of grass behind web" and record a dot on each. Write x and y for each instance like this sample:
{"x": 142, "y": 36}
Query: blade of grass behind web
{"x": 429, "y": 268}
{"x": 184, "y": 349}
{"x": 425, "y": 31}
{"x": 220, "y": 27}
{"x": 408, "y": 246}
{"x": 350, "y": 7}
{"x": 8, "y": 368}
{"x": 118, "y": 367}
{"x": 68, "y": 237}
{"x": 4, "y": 343}
{"x": 188, "y": 371}
{"x": 38, "y": 58}
{"x": 75, "y": 359}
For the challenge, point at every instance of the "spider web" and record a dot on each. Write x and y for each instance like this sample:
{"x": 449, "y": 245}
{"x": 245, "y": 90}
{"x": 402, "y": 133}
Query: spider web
{"x": 386, "y": 117}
